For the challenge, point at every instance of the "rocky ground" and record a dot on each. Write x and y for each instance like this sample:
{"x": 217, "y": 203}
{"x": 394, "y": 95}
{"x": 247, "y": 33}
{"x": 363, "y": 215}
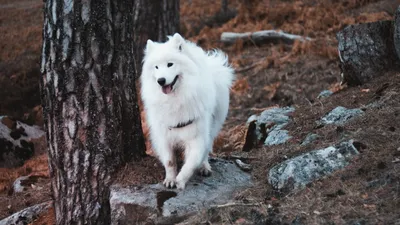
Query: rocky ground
{"x": 308, "y": 159}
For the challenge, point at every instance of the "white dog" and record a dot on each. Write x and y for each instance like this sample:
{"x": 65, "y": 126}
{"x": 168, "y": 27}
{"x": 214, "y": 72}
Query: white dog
{"x": 185, "y": 92}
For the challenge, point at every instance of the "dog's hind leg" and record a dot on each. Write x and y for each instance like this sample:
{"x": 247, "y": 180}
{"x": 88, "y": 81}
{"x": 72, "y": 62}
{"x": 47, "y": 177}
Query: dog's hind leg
{"x": 195, "y": 154}
{"x": 205, "y": 169}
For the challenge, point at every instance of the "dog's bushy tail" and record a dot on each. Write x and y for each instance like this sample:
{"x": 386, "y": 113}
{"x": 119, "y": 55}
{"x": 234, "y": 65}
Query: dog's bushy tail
{"x": 223, "y": 73}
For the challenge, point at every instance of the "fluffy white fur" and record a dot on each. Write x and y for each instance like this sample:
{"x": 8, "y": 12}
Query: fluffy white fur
{"x": 201, "y": 94}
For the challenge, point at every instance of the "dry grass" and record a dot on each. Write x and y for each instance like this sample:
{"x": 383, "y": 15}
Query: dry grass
{"x": 20, "y": 29}
{"x": 367, "y": 191}
{"x": 46, "y": 218}
{"x": 37, "y": 166}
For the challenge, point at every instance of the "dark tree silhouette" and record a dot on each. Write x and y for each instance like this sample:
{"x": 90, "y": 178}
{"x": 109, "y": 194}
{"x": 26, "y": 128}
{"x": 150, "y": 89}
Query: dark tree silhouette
{"x": 89, "y": 100}
{"x": 154, "y": 20}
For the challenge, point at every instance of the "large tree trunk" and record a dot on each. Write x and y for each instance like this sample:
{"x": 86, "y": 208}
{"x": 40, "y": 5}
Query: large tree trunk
{"x": 89, "y": 101}
{"x": 153, "y": 20}
{"x": 367, "y": 51}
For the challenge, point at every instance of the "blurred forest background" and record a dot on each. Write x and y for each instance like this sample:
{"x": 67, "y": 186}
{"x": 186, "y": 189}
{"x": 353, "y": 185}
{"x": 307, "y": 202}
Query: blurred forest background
{"x": 268, "y": 75}
{"x": 201, "y": 21}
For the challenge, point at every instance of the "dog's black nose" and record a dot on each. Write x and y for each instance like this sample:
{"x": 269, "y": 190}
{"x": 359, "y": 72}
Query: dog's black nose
{"x": 161, "y": 81}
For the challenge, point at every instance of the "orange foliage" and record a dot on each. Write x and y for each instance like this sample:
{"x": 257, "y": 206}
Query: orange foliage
{"x": 319, "y": 21}
{"x": 231, "y": 140}
{"x": 241, "y": 86}
{"x": 37, "y": 166}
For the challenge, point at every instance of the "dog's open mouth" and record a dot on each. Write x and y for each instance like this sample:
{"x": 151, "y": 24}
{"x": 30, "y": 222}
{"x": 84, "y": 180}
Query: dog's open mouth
{"x": 168, "y": 88}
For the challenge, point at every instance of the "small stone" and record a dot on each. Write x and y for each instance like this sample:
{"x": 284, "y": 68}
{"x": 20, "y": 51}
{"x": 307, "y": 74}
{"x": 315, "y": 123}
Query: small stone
{"x": 309, "y": 139}
{"x": 325, "y": 94}
{"x": 317, "y": 212}
{"x": 251, "y": 119}
{"x": 276, "y": 116}
{"x": 243, "y": 166}
{"x": 340, "y": 115}
{"x": 277, "y": 137}
{"x": 269, "y": 124}
{"x": 17, "y": 185}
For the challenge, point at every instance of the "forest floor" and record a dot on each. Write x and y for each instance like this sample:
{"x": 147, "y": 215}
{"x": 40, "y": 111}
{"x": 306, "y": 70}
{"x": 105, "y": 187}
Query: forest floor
{"x": 268, "y": 75}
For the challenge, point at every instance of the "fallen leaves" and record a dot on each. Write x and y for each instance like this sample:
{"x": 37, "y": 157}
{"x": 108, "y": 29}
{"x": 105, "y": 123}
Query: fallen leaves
{"x": 241, "y": 86}
{"x": 231, "y": 140}
{"x": 271, "y": 90}
{"x": 37, "y": 166}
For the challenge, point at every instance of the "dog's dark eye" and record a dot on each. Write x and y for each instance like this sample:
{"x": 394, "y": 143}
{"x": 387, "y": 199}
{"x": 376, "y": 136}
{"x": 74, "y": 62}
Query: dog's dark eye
{"x": 156, "y": 67}
{"x": 170, "y": 64}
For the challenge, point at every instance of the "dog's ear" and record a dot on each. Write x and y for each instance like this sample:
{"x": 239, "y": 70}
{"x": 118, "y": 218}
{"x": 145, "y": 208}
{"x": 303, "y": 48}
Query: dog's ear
{"x": 149, "y": 46}
{"x": 178, "y": 41}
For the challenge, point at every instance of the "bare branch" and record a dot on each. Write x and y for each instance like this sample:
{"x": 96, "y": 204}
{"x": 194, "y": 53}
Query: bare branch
{"x": 261, "y": 37}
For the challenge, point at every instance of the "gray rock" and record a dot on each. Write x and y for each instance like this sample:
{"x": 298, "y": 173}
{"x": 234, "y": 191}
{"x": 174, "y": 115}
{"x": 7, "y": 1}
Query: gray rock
{"x": 297, "y": 172}
{"x": 372, "y": 105}
{"x": 276, "y": 137}
{"x": 340, "y": 115}
{"x": 17, "y": 185}
{"x": 325, "y": 94}
{"x": 278, "y": 116}
{"x": 243, "y": 166}
{"x": 26, "y": 216}
{"x": 309, "y": 139}
{"x": 157, "y": 204}
{"x": 16, "y": 141}
{"x": 269, "y": 125}
{"x": 24, "y": 183}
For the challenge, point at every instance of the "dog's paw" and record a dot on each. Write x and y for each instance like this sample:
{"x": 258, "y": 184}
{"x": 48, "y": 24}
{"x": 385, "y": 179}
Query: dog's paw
{"x": 180, "y": 185}
{"x": 205, "y": 172}
{"x": 169, "y": 183}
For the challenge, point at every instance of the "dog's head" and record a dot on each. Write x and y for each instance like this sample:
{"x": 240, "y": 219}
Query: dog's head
{"x": 167, "y": 63}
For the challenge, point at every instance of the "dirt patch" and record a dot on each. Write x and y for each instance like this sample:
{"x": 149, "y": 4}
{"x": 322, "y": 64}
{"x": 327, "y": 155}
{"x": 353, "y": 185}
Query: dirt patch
{"x": 147, "y": 171}
{"x": 35, "y": 193}
{"x": 20, "y": 44}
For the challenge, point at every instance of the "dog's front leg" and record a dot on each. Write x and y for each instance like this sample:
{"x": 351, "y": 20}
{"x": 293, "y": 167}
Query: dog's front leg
{"x": 195, "y": 154}
{"x": 168, "y": 159}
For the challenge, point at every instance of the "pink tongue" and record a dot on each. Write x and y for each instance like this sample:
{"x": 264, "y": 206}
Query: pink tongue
{"x": 167, "y": 89}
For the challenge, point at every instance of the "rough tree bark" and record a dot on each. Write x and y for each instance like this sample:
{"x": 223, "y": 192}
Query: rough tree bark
{"x": 89, "y": 101}
{"x": 367, "y": 51}
{"x": 153, "y": 20}
{"x": 396, "y": 32}
{"x": 224, "y": 6}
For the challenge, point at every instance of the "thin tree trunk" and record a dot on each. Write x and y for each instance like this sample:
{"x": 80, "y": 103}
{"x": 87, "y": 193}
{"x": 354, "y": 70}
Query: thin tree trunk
{"x": 153, "y": 20}
{"x": 89, "y": 102}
